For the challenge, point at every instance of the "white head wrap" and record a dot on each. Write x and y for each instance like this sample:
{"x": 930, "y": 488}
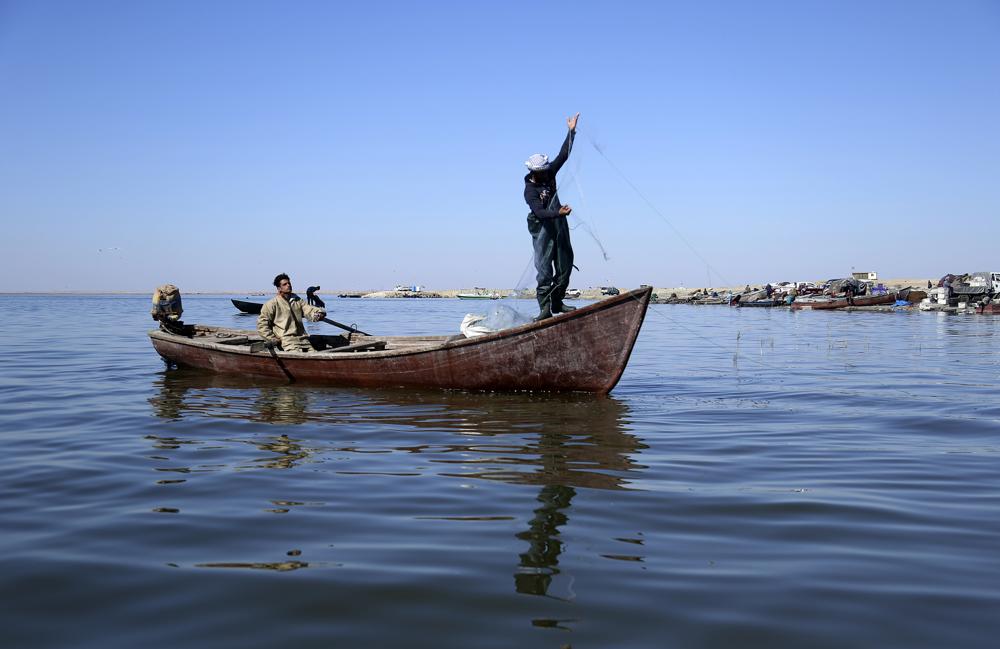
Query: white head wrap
{"x": 537, "y": 162}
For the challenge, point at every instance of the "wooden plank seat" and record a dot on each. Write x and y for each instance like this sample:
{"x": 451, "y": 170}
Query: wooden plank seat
{"x": 235, "y": 340}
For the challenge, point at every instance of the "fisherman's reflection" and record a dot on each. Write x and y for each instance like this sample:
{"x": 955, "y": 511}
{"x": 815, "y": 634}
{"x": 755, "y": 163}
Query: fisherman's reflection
{"x": 282, "y": 404}
{"x": 287, "y": 452}
{"x": 560, "y": 443}
{"x": 186, "y": 392}
{"x": 183, "y": 392}
{"x": 539, "y": 564}
{"x": 585, "y": 446}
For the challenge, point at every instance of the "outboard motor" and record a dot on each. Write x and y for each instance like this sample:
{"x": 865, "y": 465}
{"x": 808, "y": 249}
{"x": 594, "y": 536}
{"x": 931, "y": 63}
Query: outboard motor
{"x": 167, "y": 308}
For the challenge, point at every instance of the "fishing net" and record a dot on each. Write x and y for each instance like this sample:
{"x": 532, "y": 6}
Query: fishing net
{"x": 498, "y": 318}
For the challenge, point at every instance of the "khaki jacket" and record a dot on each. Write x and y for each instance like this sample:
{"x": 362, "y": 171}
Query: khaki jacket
{"x": 280, "y": 320}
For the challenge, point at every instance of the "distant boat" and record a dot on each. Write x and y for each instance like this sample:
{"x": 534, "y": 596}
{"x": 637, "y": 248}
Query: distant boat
{"x": 760, "y": 303}
{"x": 585, "y": 350}
{"x": 842, "y": 302}
{"x": 990, "y": 309}
{"x": 247, "y": 307}
{"x": 481, "y": 294}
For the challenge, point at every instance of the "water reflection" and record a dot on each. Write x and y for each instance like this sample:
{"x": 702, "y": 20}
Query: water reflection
{"x": 571, "y": 440}
{"x": 185, "y": 392}
{"x": 282, "y": 404}
{"x": 539, "y": 564}
{"x": 575, "y": 440}
{"x": 559, "y": 443}
{"x": 283, "y": 451}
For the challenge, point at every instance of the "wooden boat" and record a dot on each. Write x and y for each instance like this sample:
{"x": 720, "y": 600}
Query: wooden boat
{"x": 842, "y": 302}
{"x": 247, "y": 307}
{"x": 585, "y": 350}
{"x": 993, "y": 308}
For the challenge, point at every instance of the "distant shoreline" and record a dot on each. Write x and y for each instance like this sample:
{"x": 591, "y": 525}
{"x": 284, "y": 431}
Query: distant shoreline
{"x": 590, "y": 293}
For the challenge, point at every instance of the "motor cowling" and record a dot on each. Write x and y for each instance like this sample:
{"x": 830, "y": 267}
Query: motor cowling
{"x": 167, "y": 305}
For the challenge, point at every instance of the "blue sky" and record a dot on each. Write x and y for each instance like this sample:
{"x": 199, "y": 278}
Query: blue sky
{"x": 362, "y": 145}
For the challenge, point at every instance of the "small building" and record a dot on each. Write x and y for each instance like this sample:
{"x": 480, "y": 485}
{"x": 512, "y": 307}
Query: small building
{"x": 865, "y": 276}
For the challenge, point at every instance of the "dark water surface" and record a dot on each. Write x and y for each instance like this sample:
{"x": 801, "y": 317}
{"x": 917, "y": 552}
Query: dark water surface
{"x": 758, "y": 478}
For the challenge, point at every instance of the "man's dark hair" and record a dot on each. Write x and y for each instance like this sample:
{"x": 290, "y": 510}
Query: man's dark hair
{"x": 278, "y": 278}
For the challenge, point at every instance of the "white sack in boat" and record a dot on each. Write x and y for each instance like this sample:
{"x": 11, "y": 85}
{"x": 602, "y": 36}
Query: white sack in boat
{"x": 499, "y": 318}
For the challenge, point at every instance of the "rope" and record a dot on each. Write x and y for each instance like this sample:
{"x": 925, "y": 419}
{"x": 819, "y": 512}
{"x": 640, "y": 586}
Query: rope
{"x": 649, "y": 203}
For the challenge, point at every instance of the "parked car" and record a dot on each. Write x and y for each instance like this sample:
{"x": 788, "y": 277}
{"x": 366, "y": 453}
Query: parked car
{"x": 609, "y": 290}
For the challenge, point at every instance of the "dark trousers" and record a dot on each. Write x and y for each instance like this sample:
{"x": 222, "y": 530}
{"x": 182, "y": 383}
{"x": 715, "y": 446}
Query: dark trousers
{"x": 553, "y": 260}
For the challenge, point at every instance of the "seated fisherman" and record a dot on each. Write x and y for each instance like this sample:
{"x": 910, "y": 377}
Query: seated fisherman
{"x": 280, "y": 319}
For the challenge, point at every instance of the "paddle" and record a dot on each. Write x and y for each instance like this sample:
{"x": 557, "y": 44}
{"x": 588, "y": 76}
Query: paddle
{"x": 344, "y": 327}
{"x": 338, "y": 324}
{"x": 269, "y": 346}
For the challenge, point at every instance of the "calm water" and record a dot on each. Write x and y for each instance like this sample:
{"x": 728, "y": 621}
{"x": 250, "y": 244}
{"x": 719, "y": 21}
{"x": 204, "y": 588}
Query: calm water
{"x": 757, "y": 479}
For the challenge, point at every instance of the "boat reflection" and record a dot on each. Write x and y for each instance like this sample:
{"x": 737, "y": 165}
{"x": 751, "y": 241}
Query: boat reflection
{"x": 566, "y": 439}
{"x": 558, "y": 442}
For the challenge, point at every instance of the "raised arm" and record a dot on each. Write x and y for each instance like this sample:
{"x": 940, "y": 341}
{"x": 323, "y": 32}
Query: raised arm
{"x": 567, "y": 146}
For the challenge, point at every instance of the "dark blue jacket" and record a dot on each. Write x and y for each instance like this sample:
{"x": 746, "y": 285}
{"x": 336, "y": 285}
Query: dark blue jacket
{"x": 541, "y": 196}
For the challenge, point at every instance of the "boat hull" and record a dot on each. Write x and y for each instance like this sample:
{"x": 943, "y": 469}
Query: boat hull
{"x": 585, "y": 350}
{"x": 761, "y": 304}
{"x": 842, "y": 303}
{"x": 247, "y": 307}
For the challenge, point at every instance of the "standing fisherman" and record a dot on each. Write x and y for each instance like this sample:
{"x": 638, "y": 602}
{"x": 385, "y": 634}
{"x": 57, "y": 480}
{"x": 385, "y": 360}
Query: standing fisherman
{"x": 549, "y": 228}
